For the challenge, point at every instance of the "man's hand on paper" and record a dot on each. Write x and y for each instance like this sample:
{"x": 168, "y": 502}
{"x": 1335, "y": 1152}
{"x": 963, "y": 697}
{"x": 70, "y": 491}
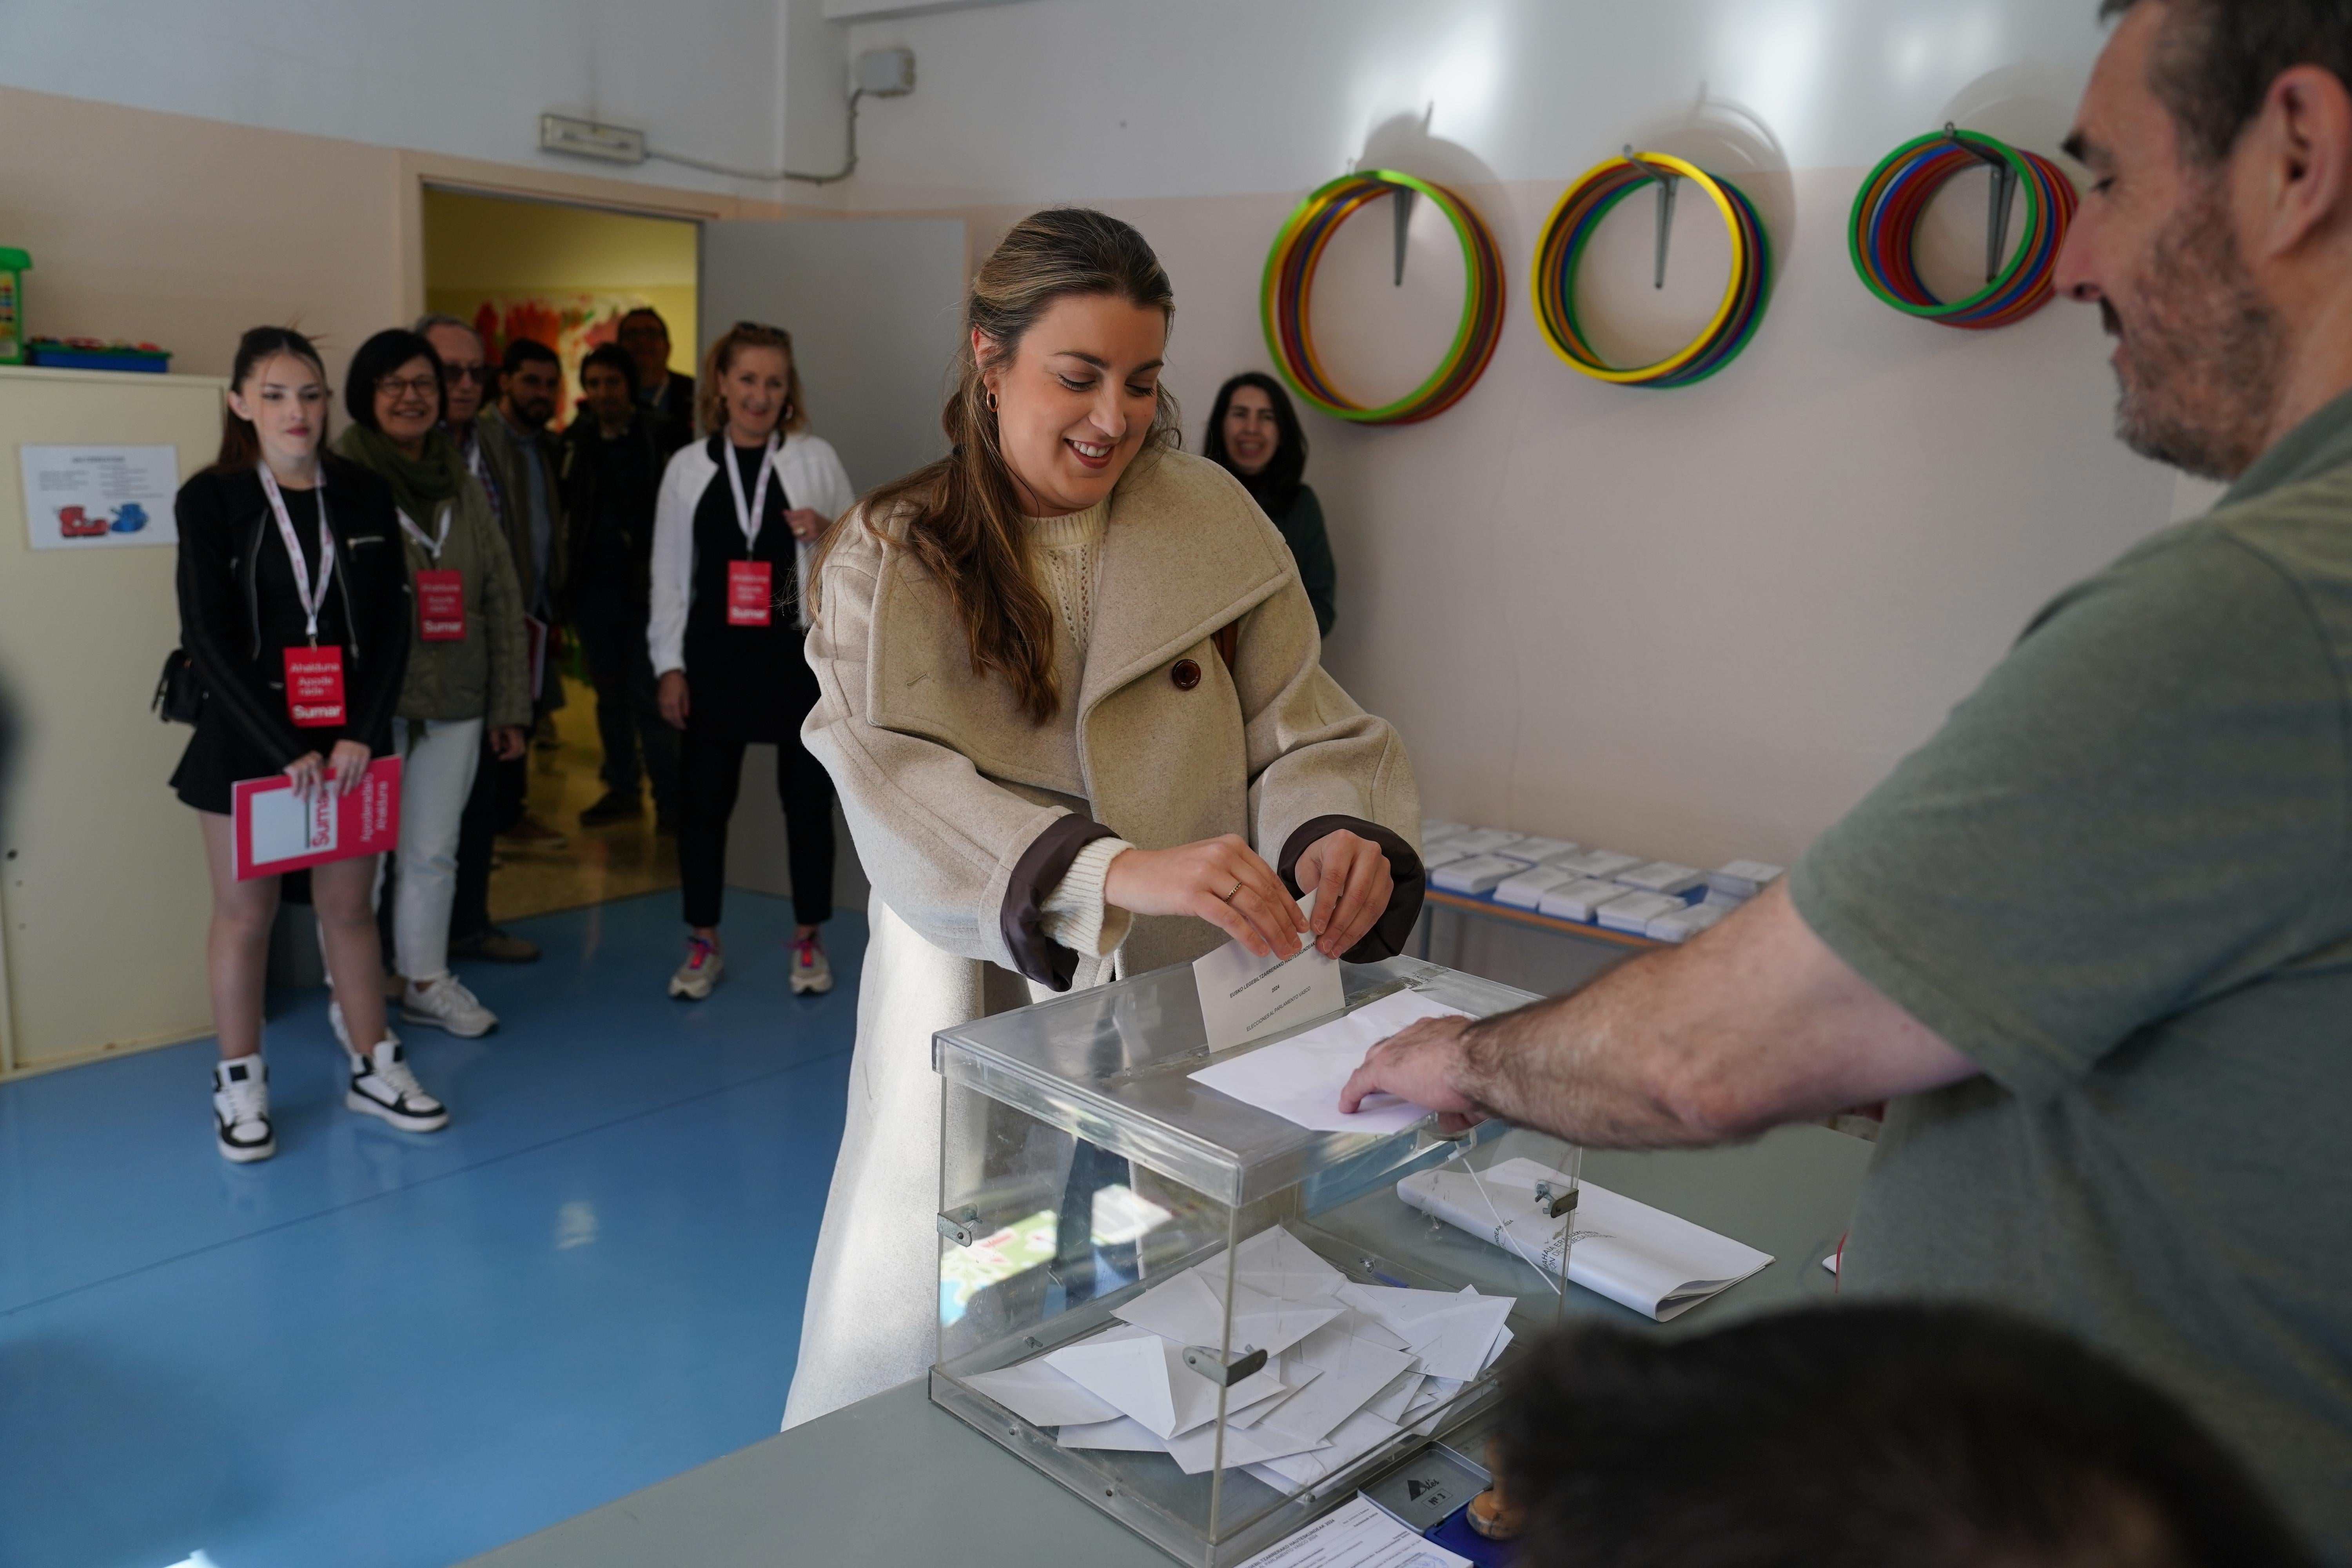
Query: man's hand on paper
{"x": 1220, "y": 880}
{"x": 1351, "y": 875}
{"x": 1423, "y": 1063}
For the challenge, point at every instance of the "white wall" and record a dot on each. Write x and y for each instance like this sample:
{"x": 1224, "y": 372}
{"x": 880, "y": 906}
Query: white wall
{"x": 468, "y": 77}
{"x": 1697, "y": 623}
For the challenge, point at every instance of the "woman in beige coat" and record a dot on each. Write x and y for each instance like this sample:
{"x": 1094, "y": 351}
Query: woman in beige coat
{"x": 1070, "y": 690}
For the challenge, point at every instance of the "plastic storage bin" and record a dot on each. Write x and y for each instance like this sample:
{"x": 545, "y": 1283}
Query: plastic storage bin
{"x": 14, "y": 265}
{"x": 1155, "y": 1293}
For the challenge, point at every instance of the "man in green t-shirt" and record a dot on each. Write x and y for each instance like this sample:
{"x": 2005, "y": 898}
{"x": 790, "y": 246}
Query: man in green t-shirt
{"x": 2094, "y": 938}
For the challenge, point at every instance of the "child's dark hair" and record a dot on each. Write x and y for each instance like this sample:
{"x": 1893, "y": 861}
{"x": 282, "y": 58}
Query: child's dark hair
{"x": 240, "y": 445}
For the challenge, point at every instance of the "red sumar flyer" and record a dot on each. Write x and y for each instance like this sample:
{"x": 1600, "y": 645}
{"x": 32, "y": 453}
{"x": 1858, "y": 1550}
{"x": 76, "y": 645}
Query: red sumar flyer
{"x": 276, "y": 829}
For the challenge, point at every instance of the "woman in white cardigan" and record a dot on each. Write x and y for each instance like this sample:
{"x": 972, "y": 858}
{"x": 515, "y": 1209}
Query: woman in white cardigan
{"x": 734, "y": 526}
{"x": 1072, "y": 695}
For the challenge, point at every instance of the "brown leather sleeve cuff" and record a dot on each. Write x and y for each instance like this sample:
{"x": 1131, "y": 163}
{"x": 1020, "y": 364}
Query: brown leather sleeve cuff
{"x": 1394, "y": 928}
{"x": 1036, "y": 875}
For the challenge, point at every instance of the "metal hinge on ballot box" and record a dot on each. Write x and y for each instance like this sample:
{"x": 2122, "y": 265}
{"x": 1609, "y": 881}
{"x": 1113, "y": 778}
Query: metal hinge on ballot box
{"x": 1218, "y": 1369}
{"x": 960, "y": 1226}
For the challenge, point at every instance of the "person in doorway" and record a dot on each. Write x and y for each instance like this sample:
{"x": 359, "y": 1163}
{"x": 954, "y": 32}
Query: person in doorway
{"x": 523, "y": 455}
{"x": 613, "y": 460}
{"x": 290, "y": 557}
{"x": 646, "y": 337}
{"x": 1931, "y": 1437}
{"x": 1253, "y": 434}
{"x": 2096, "y": 936}
{"x": 1104, "y": 743}
{"x": 738, "y": 517}
{"x": 467, "y": 383}
{"x": 467, "y": 667}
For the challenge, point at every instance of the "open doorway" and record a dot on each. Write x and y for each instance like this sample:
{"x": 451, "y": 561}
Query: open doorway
{"x": 565, "y": 276}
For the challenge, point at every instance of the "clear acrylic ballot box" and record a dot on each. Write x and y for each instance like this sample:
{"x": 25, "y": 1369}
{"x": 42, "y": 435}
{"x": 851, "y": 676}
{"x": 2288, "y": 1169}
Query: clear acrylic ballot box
{"x": 1208, "y": 1319}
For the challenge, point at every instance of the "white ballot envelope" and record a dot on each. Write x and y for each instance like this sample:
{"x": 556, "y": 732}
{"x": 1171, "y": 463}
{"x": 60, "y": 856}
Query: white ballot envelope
{"x": 1245, "y": 997}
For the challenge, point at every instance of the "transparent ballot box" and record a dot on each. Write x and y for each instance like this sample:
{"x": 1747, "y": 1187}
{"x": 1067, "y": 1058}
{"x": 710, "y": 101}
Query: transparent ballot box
{"x": 1208, "y": 1320}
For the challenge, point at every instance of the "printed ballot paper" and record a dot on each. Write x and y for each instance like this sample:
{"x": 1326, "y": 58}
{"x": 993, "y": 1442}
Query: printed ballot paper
{"x": 1245, "y": 997}
{"x": 1658, "y": 1264}
{"x": 1361, "y": 1534}
{"x": 275, "y": 827}
{"x": 1299, "y": 1078}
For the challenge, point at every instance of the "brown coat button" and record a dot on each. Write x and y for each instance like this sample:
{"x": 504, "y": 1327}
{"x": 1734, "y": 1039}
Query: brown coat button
{"x": 1185, "y": 674}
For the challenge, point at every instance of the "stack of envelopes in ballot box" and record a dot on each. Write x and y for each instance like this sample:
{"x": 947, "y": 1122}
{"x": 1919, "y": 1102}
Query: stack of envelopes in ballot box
{"x": 1207, "y": 1319}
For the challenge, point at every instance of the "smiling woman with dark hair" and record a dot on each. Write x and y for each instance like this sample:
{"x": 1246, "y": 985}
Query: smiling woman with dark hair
{"x": 467, "y": 664}
{"x": 1253, "y": 433}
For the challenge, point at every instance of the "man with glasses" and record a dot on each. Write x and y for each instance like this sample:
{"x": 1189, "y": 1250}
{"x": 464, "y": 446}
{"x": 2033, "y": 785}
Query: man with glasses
{"x": 646, "y": 337}
{"x": 498, "y": 807}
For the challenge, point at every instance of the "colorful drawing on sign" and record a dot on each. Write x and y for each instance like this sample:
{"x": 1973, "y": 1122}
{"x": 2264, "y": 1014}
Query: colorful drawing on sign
{"x": 570, "y": 324}
{"x": 75, "y": 523}
{"x": 130, "y": 520}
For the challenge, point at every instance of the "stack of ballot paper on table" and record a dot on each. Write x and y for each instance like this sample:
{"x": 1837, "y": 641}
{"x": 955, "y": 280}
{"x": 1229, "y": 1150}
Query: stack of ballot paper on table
{"x": 1348, "y": 1366}
{"x": 1658, "y": 1264}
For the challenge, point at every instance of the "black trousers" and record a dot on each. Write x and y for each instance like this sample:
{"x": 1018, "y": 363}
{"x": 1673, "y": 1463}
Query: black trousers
{"x": 477, "y": 833}
{"x": 628, "y": 708}
{"x": 710, "y": 770}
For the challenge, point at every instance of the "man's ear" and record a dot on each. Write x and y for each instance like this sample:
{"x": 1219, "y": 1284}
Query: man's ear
{"x": 2301, "y": 143}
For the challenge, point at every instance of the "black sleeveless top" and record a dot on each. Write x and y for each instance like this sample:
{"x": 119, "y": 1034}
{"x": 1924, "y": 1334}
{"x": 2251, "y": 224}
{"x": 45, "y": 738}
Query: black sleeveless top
{"x": 744, "y": 680}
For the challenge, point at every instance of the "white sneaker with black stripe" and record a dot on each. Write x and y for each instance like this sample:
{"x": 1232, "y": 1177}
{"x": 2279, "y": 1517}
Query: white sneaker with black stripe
{"x": 241, "y": 1110}
{"x": 382, "y": 1086}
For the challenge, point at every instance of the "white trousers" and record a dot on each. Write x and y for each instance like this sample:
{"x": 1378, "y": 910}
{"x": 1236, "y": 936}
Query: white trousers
{"x": 436, "y": 775}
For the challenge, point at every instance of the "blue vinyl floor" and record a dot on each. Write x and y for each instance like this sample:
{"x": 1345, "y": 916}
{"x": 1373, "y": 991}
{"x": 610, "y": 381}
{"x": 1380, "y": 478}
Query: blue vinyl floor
{"x": 392, "y": 1349}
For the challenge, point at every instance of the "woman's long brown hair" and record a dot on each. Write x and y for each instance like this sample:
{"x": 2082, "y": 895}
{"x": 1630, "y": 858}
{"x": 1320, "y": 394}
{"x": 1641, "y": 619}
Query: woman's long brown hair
{"x": 961, "y": 516}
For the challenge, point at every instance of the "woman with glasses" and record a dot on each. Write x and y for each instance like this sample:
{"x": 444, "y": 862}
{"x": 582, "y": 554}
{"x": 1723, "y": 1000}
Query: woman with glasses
{"x": 290, "y": 565}
{"x": 736, "y": 521}
{"x": 467, "y": 665}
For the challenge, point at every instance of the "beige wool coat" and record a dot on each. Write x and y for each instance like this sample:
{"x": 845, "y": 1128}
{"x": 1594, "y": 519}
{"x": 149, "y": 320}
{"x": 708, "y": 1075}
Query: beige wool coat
{"x": 966, "y": 815}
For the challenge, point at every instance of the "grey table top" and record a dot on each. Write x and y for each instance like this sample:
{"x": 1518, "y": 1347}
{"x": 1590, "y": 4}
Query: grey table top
{"x": 894, "y": 1479}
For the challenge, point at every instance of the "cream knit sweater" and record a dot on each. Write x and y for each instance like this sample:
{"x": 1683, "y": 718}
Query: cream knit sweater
{"x": 1067, "y": 551}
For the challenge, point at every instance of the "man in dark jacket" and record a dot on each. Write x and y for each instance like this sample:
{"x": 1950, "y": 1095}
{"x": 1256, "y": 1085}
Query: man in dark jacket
{"x": 614, "y": 455}
{"x": 646, "y": 337}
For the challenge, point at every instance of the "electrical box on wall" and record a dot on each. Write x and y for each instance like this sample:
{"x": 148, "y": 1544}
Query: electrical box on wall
{"x": 591, "y": 139}
{"x": 887, "y": 73}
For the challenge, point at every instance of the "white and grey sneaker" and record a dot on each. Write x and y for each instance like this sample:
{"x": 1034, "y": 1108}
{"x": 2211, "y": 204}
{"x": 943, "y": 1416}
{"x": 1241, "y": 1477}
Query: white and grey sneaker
{"x": 382, "y": 1086}
{"x": 703, "y": 967}
{"x": 809, "y": 970}
{"x": 241, "y": 1110}
{"x": 445, "y": 1004}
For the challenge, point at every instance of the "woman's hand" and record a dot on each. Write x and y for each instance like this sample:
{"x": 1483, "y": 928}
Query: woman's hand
{"x": 507, "y": 742}
{"x": 674, "y": 707}
{"x": 1350, "y": 877}
{"x": 304, "y": 771}
{"x": 347, "y": 763}
{"x": 1220, "y": 880}
{"x": 807, "y": 522}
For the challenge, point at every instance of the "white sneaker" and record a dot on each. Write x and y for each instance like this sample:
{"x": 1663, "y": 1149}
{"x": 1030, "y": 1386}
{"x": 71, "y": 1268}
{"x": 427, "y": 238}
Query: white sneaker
{"x": 241, "y": 1110}
{"x": 445, "y": 1004}
{"x": 703, "y": 967}
{"x": 382, "y": 1086}
{"x": 810, "y": 970}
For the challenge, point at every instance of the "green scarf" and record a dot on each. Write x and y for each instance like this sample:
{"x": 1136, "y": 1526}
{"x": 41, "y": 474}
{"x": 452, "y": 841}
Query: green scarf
{"x": 419, "y": 485}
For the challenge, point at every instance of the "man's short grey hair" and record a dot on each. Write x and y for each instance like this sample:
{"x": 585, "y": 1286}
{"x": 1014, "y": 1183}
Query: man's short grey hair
{"x": 426, "y": 323}
{"x": 2217, "y": 58}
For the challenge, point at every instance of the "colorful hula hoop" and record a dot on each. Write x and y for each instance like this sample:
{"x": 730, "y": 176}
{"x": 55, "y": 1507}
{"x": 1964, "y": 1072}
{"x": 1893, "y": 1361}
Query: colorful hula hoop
{"x": 1886, "y": 213}
{"x": 1290, "y": 277}
{"x": 1569, "y": 229}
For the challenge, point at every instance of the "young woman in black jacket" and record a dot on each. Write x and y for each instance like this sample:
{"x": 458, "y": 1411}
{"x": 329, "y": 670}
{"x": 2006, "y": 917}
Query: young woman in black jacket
{"x": 285, "y": 551}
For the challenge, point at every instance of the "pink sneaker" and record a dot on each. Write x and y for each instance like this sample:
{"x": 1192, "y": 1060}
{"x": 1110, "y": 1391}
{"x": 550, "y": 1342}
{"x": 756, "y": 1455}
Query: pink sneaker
{"x": 810, "y": 970}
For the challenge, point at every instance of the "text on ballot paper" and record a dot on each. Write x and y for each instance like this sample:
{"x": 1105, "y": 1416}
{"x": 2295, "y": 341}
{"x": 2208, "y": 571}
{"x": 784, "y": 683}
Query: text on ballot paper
{"x": 1245, "y": 997}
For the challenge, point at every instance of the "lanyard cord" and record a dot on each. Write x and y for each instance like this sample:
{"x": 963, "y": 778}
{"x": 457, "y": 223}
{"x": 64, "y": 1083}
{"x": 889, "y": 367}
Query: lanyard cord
{"x": 434, "y": 543}
{"x": 750, "y": 514}
{"x": 313, "y": 597}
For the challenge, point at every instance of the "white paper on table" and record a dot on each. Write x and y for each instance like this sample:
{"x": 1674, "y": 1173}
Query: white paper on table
{"x": 1359, "y": 1534}
{"x": 1656, "y": 1263}
{"x": 1187, "y": 1311}
{"x": 1245, "y": 997}
{"x": 1453, "y": 1335}
{"x": 1040, "y": 1396}
{"x": 1299, "y": 1078}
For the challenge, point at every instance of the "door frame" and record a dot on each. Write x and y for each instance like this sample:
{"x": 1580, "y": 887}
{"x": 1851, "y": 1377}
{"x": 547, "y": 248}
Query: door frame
{"x": 417, "y": 171}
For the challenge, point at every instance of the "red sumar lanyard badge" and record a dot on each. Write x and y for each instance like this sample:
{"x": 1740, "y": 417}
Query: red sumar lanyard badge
{"x": 314, "y": 675}
{"x": 440, "y": 594}
{"x": 750, "y": 584}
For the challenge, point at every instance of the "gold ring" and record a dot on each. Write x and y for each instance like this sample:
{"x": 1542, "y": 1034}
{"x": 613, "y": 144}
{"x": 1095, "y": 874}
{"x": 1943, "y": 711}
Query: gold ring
{"x": 1232, "y": 890}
